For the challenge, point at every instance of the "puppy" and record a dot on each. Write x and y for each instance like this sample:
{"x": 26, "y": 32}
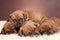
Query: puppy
{"x": 18, "y": 17}
{"x": 28, "y": 28}
{"x": 14, "y": 22}
{"x": 8, "y": 28}
{"x": 49, "y": 27}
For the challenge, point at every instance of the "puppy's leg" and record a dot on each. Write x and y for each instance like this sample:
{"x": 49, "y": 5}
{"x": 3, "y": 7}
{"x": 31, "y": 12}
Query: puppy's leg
{"x": 27, "y": 28}
{"x": 8, "y": 28}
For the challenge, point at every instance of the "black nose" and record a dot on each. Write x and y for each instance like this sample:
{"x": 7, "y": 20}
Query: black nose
{"x": 18, "y": 24}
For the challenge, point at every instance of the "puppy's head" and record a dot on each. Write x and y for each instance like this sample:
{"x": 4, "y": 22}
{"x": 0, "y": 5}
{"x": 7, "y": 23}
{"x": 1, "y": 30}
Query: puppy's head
{"x": 8, "y": 28}
{"x": 18, "y": 17}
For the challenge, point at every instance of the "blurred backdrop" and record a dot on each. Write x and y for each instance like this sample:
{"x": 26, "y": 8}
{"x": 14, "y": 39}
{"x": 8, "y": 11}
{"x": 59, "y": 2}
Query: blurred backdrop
{"x": 49, "y": 7}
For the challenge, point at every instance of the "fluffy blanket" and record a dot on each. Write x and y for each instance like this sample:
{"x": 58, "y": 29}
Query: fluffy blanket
{"x": 55, "y": 36}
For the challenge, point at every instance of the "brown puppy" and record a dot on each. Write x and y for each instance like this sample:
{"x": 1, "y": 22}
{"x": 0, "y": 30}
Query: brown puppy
{"x": 18, "y": 18}
{"x": 8, "y": 28}
{"x": 13, "y": 21}
{"x": 49, "y": 27}
{"x": 28, "y": 28}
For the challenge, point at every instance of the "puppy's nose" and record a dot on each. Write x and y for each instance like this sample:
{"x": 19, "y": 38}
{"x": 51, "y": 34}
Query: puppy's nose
{"x": 17, "y": 26}
{"x": 18, "y": 23}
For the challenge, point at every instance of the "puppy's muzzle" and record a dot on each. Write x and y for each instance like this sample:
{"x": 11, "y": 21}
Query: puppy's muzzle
{"x": 18, "y": 23}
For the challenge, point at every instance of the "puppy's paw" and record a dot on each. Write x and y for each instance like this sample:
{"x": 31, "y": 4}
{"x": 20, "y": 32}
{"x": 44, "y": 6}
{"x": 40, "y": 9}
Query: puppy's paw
{"x": 28, "y": 28}
{"x": 8, "y": 28}
{"x": 44, "y": 29}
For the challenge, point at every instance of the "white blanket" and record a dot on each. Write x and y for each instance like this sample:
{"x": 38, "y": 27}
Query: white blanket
{"x": 56, "y": 36}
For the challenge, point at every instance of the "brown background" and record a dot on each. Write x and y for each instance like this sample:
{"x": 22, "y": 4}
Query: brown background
{"x": 49, "y": 7}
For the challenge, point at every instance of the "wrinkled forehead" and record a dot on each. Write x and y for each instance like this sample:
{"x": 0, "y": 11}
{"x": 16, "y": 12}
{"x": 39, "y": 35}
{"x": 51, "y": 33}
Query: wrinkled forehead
{"x": 17, "y": 15}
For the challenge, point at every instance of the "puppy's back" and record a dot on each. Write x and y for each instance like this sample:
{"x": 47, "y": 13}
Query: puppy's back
{"x": 36, "y": 16}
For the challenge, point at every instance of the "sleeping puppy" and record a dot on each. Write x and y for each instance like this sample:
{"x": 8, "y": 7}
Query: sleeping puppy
{"x": 28, "y": 28}
{"x": 8, "y": 28}
{"x": 49, "y": 27}
{"x": 18, "y": 17}
{"x": 36, "y": 16}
